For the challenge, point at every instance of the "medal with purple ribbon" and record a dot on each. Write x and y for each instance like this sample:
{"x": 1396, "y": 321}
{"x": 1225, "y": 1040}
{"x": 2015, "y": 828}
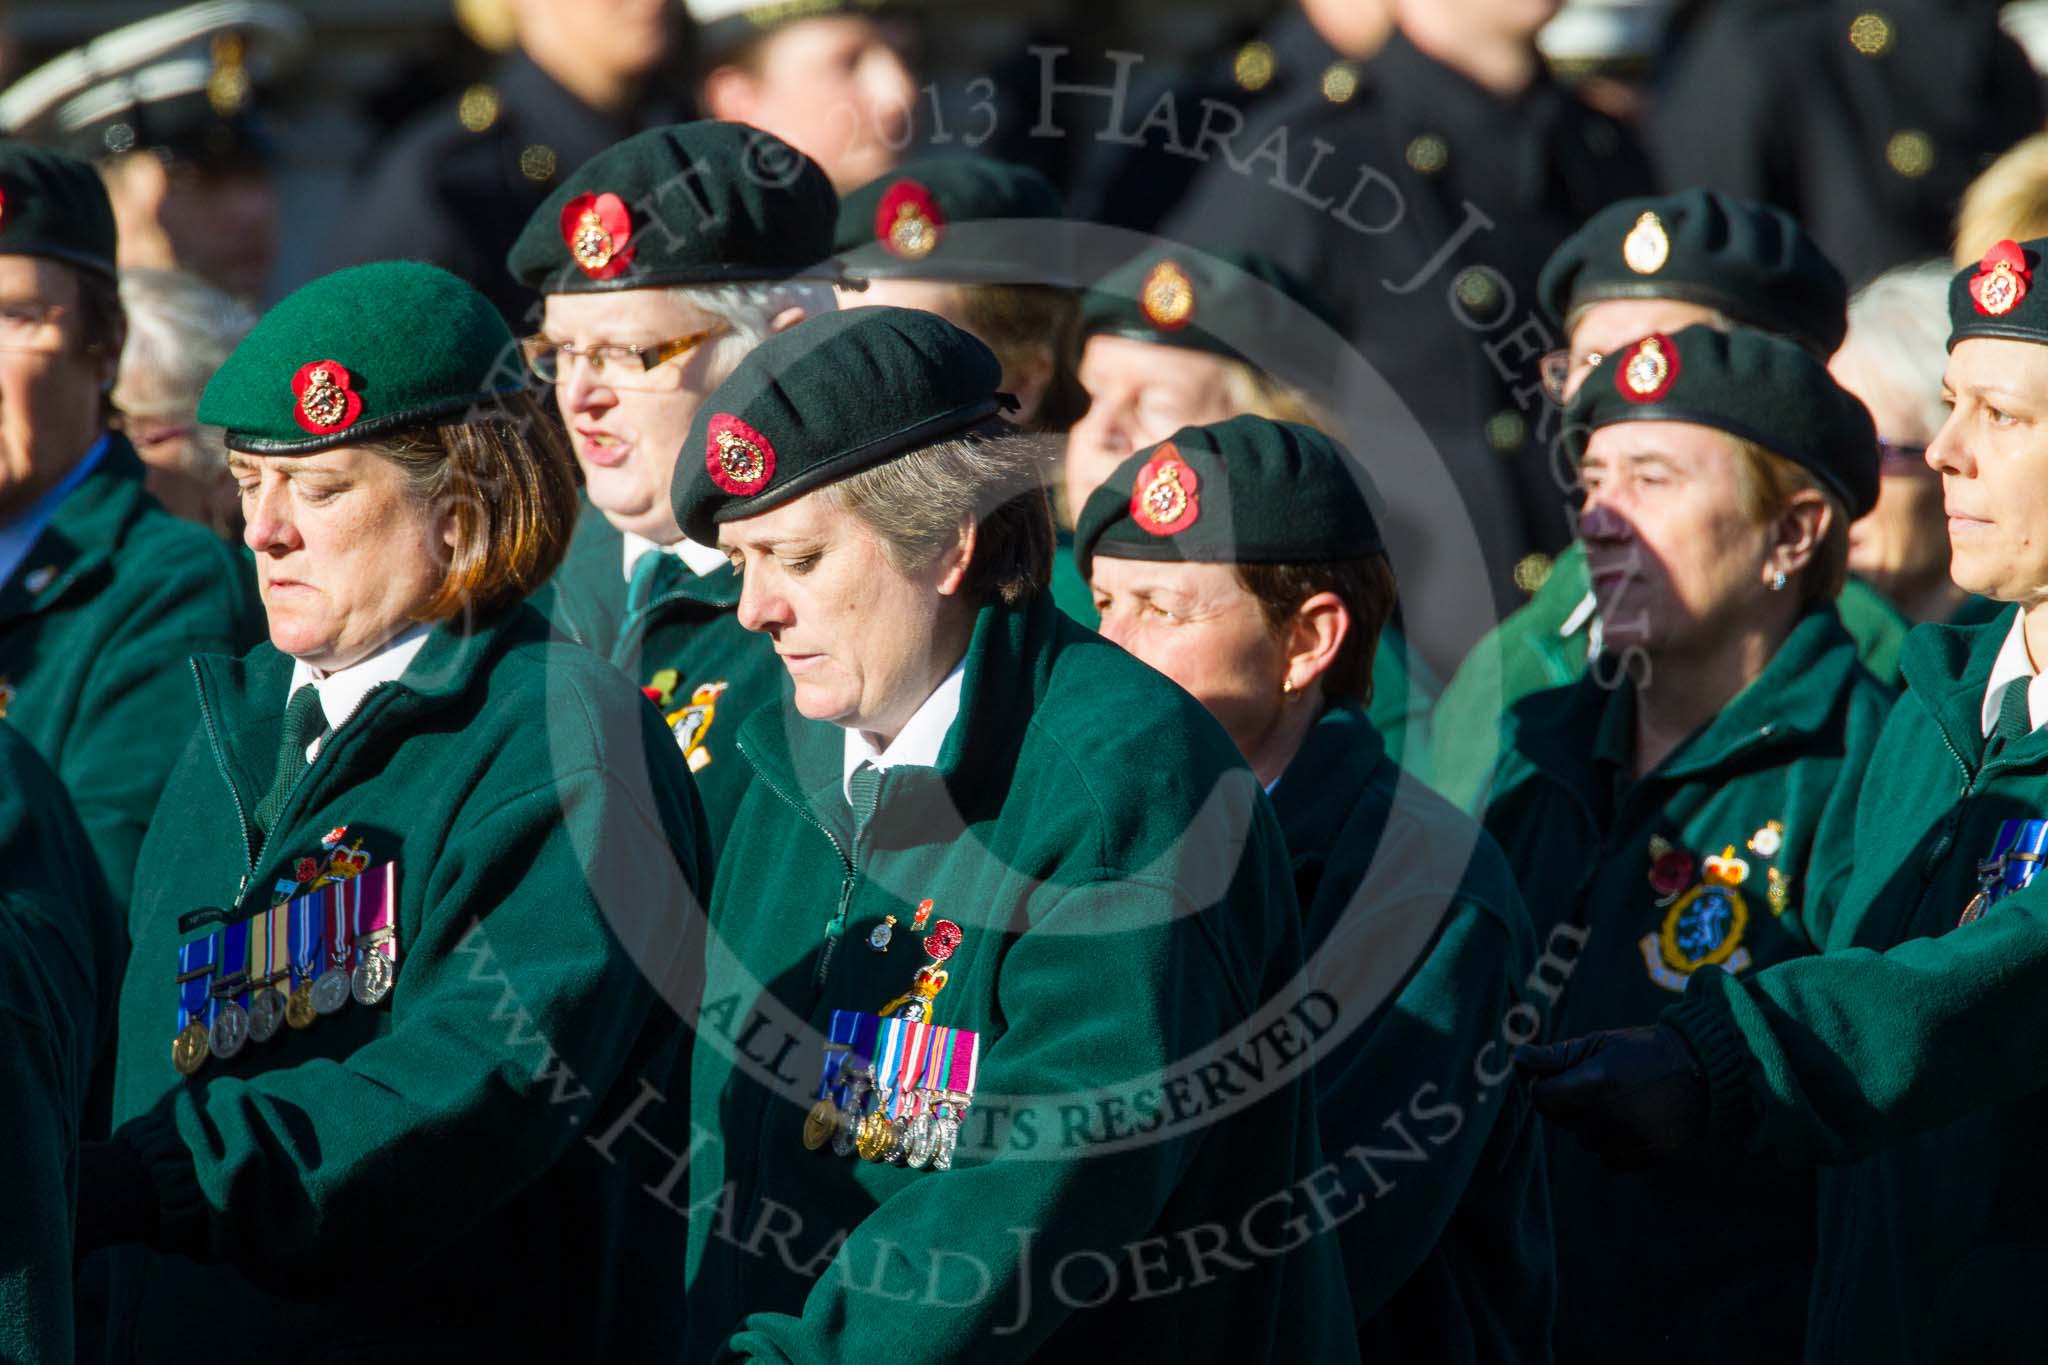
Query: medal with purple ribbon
{"x": 373, "y": 916}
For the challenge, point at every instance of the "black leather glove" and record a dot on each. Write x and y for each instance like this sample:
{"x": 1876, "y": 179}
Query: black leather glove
{"x": 1634, "y": 1095}
{"x": 116, "y": 1198}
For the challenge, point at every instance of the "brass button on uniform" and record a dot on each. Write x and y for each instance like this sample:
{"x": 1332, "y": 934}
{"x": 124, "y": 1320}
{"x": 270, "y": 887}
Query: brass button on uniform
{"x": 537, "y": 162}
{"x": 1428, "y": 154}
{"x": 1870, "y": 33}
{"x": 1253, "y": 68}
{"x": 1910, "y": 153}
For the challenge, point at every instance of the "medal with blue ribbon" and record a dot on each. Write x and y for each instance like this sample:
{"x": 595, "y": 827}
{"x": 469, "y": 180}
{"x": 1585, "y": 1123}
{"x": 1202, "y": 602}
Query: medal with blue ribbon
{"x": 894, "y": 1090}
{"x": 307, "y": 928}
{"x": 229, "y": 1031}
{"x": 197, "y": 962}
{"x": 2015, "y": 857}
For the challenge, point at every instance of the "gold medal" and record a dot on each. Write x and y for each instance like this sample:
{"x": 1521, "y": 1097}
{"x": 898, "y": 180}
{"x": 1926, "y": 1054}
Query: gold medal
{"x": 820, "y": 1124}
{"x": 298, "y": 1007}
{"x": 877, "y": 1138}
{"x": 189, "y": 1048}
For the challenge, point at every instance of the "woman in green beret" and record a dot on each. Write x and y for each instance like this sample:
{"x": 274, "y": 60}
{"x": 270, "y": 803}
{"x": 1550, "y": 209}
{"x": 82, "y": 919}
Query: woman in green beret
{"x": 1655, "y": 264}
{"x": 405, "y": 892}
{"x": 1682, "y": 810}
{"x": 966, "y": 237}
{"x": 998, "y": 899}
{"x": 1154, "y": 359}
{"x": 1904, "y": 1062}
{"x": 1243, "y": 561}
{"x": 61, "y": 952}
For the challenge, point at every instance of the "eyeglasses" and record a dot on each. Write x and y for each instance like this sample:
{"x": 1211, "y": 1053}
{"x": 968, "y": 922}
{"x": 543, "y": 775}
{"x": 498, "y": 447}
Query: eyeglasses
{"x": 1556, "y": 370}
{"x": 30, "y": 325}
{"x": 612, "y": 363}
{"x": 1896, "y": 458}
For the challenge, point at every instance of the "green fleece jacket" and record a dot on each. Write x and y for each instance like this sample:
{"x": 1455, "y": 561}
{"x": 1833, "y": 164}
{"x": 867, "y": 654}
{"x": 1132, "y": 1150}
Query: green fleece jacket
{"x": 413, "y": 1180}
{"x": 61, "y": 949}
{"x": 683, "y": 645}
{"x": 1413, "y": 922}
{"x": 1717, "y": 863}
{"x": 1129, "y": 1179}
{"x": 95, "y": 628}
{"x": 1907, "y": 1058}
{"x": 1544, "y": 645}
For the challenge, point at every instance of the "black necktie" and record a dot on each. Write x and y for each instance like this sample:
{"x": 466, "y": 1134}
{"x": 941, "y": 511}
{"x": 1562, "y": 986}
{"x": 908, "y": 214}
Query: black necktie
{"x": 304, "y": 722}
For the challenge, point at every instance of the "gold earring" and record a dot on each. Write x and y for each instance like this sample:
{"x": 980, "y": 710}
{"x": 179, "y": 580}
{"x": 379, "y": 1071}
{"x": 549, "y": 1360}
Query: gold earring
{"x": 1286, "y": 686}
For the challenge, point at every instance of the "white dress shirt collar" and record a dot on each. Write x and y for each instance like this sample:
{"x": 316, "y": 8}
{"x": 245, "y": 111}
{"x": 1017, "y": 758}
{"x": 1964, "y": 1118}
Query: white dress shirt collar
{"x": 700, "y": 559}
{"x": 343, "y": 690}
{"x": 2012, "y": 665}
{"x": 919, "y": 741}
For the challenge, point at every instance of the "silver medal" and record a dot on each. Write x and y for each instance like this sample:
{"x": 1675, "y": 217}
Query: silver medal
{"x": 330, "y": 991}
{"x": 266, "y": 1014}
{"x": 230, "y": 1030}
{"x": 372, "y": 979}
{"x": 920, "y": 1142}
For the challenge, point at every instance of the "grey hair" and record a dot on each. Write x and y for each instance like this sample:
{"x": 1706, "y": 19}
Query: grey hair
{"x": 180, "y": 329}
{"x": 750, "y": 311}
{"x": 916, "y": 504}
{"x": 1898, "y": 326}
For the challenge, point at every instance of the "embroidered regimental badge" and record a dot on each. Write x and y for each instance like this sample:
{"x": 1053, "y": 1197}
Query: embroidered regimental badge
{"x": 1704, "y": 927}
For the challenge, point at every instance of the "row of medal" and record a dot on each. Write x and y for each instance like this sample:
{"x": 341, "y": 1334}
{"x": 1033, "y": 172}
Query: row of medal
{"x": 2015, "y": 857}
{"x": 298, "y": 960}
{"x": 894, "y": 1090}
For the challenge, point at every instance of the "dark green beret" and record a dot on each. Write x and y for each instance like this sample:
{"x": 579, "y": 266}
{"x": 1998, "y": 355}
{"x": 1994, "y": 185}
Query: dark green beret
{"x": 1247, "y": 491}
{"x": 1996, "y": 297}
{"x": 1747, "y": 260}
{"x": 54, "y": 205}
{"x": 692, "y": 203}
{"x": 830, "y": 397}
{"x": 1747, "y": 383}
{"x": 723, "y": 25}
{"x": 1172, "y": 296}
{"x": 901, "y": 226}
{"x": 359, "y": 354}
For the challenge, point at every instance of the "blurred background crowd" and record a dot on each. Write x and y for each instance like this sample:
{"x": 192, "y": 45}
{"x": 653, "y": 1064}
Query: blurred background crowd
{"x": 1412, "y": 162}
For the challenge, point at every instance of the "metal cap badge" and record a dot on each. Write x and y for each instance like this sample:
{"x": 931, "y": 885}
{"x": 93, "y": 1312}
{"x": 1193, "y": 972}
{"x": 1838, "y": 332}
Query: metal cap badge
{"x": 739, "y": 459}
{"x": 909, "y": 221}
{"x": 1647, "y": 246}
{"x": 1165, "y": 498}
{"x": 1168, "y": 297}
{"x": 326, "y": 401}
{"x": 2001, "y": 280}
{"x": 599, "y": 232}
{"x": 1650, "y": 370}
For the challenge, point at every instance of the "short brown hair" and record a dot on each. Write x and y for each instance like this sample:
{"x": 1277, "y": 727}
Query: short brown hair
{"x": 915, "y": 504}
{"x": 1017, "y": 319}
{"x": 1766, "y": 483}
{"x": 1365, "y": 587}
{"x": 511, "y": 484}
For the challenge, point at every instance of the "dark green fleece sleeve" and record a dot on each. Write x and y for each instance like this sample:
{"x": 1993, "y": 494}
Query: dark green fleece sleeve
{"x": 1824, "y": 1059}
{"x": 37, "y": 1153}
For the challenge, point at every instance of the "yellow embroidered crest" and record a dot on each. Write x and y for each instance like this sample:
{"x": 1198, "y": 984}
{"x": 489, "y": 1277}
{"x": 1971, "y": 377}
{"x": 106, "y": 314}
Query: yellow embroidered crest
{"x": 1704, "y": 928}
